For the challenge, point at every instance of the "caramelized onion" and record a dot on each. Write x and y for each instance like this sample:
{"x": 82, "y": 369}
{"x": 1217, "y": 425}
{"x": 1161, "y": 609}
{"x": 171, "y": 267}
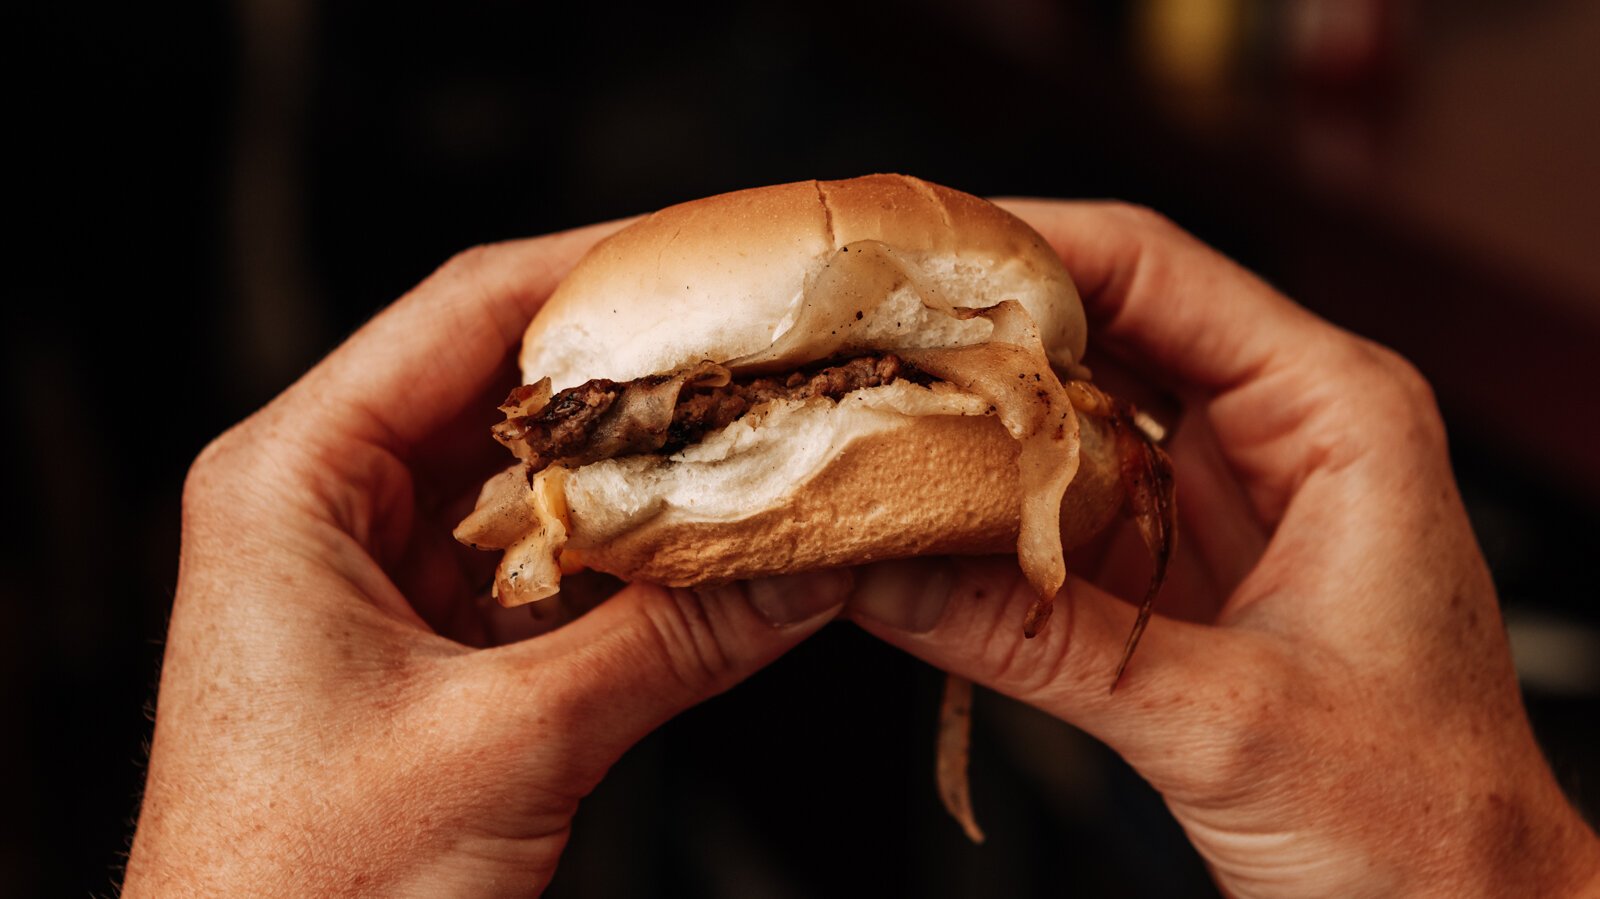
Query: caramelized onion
{"x": 531, "y": 569}
{"x": 529, "y": 399}
{"x": 1148, "y": 481}
{"x": 529, "y": 521}
{"x": 954, "y": 745}
{"x": 637, "y": 422}
{"x": 502, "y": 514}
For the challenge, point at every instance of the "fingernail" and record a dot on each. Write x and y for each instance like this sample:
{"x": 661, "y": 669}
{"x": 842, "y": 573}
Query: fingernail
{"x": 792, "y": 598}
{"x": 908, "y": 595}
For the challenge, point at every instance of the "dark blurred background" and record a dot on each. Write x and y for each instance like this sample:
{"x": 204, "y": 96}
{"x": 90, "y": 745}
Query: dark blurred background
{"x": 211, "y": 197}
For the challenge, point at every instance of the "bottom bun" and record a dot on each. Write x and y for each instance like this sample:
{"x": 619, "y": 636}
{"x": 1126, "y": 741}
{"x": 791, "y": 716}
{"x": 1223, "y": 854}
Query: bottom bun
{"x": 887, "y": 485}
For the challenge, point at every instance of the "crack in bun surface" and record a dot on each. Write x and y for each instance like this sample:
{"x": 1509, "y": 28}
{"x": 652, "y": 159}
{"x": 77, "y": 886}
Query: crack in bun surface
{"x": 716, "y": 278}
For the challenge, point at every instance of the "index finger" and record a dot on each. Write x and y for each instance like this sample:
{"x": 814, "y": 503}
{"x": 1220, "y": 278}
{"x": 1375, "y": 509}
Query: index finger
{"x": 413, "y": 367}
{"x": 1180, "y": 306}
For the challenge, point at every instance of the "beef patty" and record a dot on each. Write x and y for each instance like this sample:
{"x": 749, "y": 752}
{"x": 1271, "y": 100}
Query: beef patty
{"x": 595, "y": 420}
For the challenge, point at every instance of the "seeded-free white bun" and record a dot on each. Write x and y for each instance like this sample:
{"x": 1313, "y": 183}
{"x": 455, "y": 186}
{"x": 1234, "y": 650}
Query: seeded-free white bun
{"x": 715, "y": 278}
{"x": 887, "y": 472}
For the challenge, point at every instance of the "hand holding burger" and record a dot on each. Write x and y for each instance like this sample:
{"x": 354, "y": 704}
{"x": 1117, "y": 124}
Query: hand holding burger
{"x": 1329, "y": 706}
{"x": 816, "y": 375}
{"x": 339, "y": 714}
{"x": 807, "y": 376}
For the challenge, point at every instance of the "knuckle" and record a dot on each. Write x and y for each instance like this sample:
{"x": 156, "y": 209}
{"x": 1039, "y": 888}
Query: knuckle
{"x": 687, "y": 639}
{"x": 473, "y": 265}
{"x": 1044, "y": 670}
{"x": 1398, "y": 390}
{"x": 211, "y": 455}
{"x": 467, "y": 263}
{"x": 462, "y": 271}
{"x": 1144, "y": 217}
{"x": 1010, "y": 665}
{"x": 209, "y": 471}
{"x": 243, "y": 468}
{"x": 1404, "y": 375}
{"x": 1027, "y": 668}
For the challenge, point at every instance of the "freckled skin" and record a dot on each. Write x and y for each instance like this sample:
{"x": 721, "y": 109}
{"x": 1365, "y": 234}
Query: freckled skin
{"x": 330, "y": 722}
{"x": 1333, "y": 714}
{"x": 1330, "y": 709}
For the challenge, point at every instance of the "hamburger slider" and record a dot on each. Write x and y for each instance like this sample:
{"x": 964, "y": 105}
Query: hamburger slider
{"x": 814, "y": 375}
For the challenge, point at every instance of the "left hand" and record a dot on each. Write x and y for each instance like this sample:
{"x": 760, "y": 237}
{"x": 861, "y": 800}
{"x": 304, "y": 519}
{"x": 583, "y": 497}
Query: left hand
{"x": 341, "y": 710}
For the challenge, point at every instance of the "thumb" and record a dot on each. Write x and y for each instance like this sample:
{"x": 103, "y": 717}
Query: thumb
{"x": 649, "y": 652}
{"x": 966, "y": 616}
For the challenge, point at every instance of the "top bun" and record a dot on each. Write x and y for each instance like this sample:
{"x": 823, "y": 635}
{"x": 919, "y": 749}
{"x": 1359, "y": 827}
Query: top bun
{"x": 719, "y": 278}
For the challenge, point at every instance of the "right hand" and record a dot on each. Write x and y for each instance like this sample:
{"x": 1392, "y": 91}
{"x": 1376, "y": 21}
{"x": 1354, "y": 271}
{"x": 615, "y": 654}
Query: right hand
{"x": 1333, "y": 711}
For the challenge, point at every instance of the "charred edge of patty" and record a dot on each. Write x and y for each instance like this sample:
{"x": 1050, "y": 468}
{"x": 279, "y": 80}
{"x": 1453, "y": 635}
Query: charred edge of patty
{"x": 564, "y": 429}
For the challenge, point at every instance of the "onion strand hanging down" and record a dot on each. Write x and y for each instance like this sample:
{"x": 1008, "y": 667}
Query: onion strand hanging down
{"x": 955, "y": 741}
{"x": 1151, "y": 491}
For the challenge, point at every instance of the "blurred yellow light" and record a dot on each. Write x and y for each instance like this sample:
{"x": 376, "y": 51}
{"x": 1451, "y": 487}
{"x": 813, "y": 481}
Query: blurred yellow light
{"x": 1190, "y": 42}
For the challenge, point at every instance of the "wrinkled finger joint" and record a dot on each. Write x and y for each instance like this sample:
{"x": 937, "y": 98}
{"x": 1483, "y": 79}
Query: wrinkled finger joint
{"x": 688, "y": 639}
{"x": 1025, "y": 667}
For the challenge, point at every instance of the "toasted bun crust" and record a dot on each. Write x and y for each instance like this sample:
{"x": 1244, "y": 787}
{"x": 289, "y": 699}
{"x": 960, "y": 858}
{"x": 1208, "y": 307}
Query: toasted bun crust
{"x": 713, "y": 278}
{"x": 940, "y": 485}
{"x": 718, "y": 279}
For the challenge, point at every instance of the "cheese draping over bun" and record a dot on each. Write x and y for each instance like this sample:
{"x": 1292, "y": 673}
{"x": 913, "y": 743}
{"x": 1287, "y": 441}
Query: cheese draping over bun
{"x": 984, "y": 450}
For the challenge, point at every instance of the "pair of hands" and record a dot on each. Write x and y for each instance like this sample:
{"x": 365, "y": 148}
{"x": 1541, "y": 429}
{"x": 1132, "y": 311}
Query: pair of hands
{"x": 1328, "y": 705}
